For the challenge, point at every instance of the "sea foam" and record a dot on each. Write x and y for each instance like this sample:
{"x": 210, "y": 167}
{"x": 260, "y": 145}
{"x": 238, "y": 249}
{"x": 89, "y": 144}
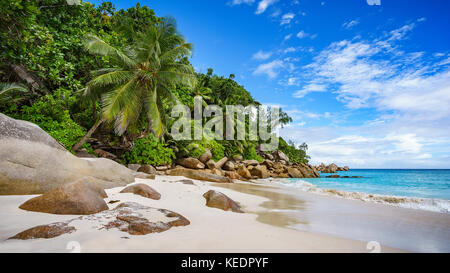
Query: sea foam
{"x": 429, "y": 204}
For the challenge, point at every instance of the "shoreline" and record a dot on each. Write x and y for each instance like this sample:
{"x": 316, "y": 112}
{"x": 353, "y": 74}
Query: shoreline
{"x": 409, "y": 202}
{"x": 402, "y": 228}
{"x": 211, "y": 230}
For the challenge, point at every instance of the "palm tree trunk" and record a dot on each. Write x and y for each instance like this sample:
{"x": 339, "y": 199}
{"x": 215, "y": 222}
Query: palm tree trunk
{"x": 88, "y": 135}
{"x": 94, "y": 110}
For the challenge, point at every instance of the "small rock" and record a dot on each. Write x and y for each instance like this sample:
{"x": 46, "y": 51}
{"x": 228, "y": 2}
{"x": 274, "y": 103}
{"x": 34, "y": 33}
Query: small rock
{"x": 211, "y": 164}
{"x": 45, "y": 231}
{"x": 147, "y": 169}
{"x": 142, "y": 190}
{"x": 250, "y": 162}
{"x": 237, "y": 158}
{"x": 144, "y": 175}
{"x": 207, "y": 155}
{"x": 244, "y": 172}
{"x": 191, "y": 163}
{"x": 134, "y": 167}
{"x": 233, "y": 175}
{"x": 219, "y": 200}
{"x": 105, "y": 154}
{"x": 221, "y": 162}
{"x": 229, "y": 166}
{"x": 186, "y": 182}
{"x": 199, "y": 175}
{"x": 162, "y": 168}
{"x": 83, "y": 153}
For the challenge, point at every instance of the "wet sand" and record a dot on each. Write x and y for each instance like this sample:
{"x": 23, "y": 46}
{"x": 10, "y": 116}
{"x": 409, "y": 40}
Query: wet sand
{"x": 401, "y": 228}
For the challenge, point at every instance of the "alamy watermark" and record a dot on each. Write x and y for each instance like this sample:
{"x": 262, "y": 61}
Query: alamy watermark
{"x": 253, "y": 122}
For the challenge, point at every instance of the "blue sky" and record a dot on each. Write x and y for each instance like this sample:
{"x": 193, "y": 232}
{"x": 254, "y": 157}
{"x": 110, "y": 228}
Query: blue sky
{"x": 367, "y": 85}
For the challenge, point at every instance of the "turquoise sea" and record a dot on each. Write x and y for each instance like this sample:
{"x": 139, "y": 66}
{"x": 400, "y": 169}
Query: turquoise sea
{"x": 422, "y": 189}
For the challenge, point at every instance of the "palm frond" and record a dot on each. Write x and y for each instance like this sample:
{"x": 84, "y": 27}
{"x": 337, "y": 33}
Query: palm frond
{"x": 12, "y": 92}
{"x": 95, "y": 45}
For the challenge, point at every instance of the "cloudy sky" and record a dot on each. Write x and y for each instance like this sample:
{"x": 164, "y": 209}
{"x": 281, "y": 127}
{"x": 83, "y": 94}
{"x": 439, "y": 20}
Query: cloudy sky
{"x": 367, "y": 82}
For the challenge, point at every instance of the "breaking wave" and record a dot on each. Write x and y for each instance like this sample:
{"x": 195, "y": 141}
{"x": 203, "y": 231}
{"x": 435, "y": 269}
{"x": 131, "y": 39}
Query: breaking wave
{"x": 429, "y": 204}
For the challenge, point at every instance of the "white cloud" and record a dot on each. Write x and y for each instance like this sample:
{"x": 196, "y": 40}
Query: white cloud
{"x": 289, "y": 50}
{"x": 287, "y": 37}
{"x": 287, "y": 18}
{"x": 350, "y": 24}
{"x": 238, "y": 2}
{"x": 261, "y": 55}
{"x": 302, "y": 34}
{"x": 270, "y": 69}
{"x": 406, "y": 93}
{"x": 313, "y": 87}
{"x": 401, "y": 83}
{"x": 263, "y": 5}
{"x": 400, "y": 33}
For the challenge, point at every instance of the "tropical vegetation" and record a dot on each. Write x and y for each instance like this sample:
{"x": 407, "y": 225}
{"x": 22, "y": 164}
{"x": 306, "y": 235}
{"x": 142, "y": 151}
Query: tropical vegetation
{"x": 88, "y": 74}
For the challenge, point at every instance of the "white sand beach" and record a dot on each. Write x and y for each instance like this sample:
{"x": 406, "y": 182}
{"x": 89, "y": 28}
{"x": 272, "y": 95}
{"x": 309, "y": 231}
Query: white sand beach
{"x": 210, "y": 230}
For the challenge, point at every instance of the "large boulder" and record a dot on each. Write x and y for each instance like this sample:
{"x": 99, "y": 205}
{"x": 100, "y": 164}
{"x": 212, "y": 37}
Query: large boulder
{"x": 294, "y": 172}
{"x": 191, "y": 163}
{"x": 280, "y": 156}
{"x": 307, "y": 170}
{"x": 27, "y": 131}
{"x": 260, "y": 171}
{"x": 142, "y": 190}
{"x": 199, "y": 175}
{"x": 31, "y": 162}
{"x": 81, "y": 197}
{"x": 332, "y": 168}
{"x": 219, "y": 200}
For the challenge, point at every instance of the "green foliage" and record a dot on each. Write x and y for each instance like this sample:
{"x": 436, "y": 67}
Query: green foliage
{"x": 296, "y": 155}
{"x": 47, "y": 39}
{"x": 195, "y": 150}
{"x": 251, "y": 154}
{"x": 52, "y": 116}
{"x": 149, "y": 150}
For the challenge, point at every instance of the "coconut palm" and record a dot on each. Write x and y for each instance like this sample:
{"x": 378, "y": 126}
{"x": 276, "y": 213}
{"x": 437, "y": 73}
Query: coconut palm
{"x": 138, "y": 86}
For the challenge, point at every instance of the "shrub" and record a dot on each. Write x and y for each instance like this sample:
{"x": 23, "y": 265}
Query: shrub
{"x": 50, "y": 113}
{"x": 250, "y": 153}
{"x": 149, "y": 150}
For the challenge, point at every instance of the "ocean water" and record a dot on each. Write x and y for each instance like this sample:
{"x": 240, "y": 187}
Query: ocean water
{"x": 418, "y": 189}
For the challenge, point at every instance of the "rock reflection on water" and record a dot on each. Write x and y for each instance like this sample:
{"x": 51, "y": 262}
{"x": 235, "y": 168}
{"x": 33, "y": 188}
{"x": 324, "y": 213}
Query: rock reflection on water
{"x": 282, "y": 209}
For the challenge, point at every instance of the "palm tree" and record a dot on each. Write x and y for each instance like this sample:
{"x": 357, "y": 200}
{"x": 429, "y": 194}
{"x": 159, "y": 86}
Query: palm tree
{"x": 140, "y": 83}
